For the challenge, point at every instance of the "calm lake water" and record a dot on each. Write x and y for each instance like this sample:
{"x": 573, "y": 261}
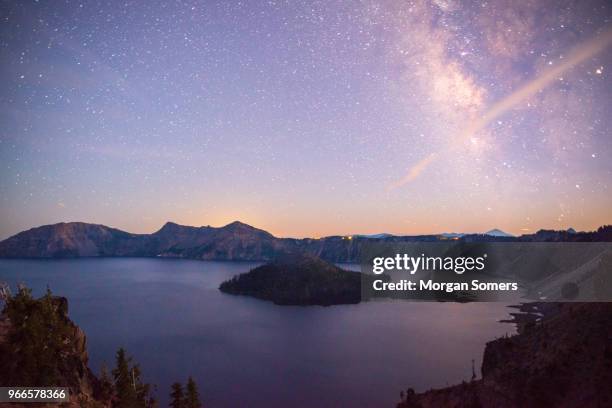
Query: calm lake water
{"x": 171, "y": 317}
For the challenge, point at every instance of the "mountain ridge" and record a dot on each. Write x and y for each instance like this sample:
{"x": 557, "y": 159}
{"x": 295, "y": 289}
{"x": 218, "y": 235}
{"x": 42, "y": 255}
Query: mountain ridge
{"x": 496, "y": 232}
{"x": 234, "y": 241}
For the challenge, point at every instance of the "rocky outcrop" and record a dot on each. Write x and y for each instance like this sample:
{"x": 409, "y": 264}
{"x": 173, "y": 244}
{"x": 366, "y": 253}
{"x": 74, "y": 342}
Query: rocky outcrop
{"x": 564, "y": 360}
{"x": 68, "y": 366}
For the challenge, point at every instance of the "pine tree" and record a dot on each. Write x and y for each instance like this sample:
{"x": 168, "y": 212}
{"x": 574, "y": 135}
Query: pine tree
{"x": 124, "y": 382}
{"x": 143, "y": 391}
{"x": 131, "y": 392}
{"x": 52, "y": 332}
{"x": 192, "y": 399}
{"x": 106, "y": 384}
{"x": 177, "y": 396}
{"x": 36, "y": 338}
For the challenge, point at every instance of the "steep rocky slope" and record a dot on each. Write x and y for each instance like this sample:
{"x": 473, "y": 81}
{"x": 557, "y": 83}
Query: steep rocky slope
{"x": 41, "y": 346}
{"x": 565, "y": 360}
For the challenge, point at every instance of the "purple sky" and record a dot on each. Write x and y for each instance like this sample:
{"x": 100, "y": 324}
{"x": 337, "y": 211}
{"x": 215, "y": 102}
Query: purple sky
{"x": 307, "y": 118}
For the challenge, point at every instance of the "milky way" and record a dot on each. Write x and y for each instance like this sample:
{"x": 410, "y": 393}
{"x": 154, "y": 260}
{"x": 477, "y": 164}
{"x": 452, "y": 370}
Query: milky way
{"x": 307, "y": 118}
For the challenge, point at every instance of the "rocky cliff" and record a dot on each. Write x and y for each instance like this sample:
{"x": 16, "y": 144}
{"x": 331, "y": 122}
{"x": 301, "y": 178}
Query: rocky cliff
{"x": 40, "y": 346}
{"x": 564, "y": 360}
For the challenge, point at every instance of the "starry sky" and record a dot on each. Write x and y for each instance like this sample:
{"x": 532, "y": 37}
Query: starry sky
{"x": 307, "y": 118}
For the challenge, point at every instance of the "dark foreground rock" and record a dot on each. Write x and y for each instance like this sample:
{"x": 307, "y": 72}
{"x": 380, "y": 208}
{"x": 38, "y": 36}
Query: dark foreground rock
{"x": 299, "y": 280}
{"x": 41, "y": 346}
{"x": 562, "y": 360}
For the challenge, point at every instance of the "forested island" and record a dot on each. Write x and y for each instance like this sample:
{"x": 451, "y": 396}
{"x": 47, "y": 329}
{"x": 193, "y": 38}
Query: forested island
{"x": 563, "y": 359}
{"x": 299, "y": 279}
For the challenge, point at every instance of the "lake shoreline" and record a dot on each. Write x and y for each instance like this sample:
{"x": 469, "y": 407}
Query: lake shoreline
{"x": 173, "y": 319}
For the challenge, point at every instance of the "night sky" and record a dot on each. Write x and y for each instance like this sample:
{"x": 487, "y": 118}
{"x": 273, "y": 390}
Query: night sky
{"x": 307, "y": 118}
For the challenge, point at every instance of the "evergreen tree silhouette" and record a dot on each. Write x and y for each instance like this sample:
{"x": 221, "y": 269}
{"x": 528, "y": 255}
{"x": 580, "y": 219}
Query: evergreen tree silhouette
{"x": 177, "y": 397}
{"x": 192, "y": 399}
{"x": 124, "y": 382}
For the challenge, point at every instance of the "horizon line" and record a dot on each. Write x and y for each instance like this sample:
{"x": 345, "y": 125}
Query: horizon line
{"x": 365, "y": 235}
